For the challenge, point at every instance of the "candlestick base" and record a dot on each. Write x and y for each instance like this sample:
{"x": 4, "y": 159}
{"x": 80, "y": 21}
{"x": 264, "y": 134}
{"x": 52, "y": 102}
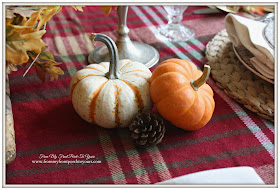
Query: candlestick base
{"x": 139, "y": 52}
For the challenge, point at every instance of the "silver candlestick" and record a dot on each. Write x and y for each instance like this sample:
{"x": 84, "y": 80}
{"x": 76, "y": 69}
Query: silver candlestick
{"x": 134, "y": 51}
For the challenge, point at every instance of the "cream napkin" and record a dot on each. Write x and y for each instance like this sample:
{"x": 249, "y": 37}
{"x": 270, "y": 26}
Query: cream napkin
{"x": 250, "y": 34}
{"x": 242, "y": 175}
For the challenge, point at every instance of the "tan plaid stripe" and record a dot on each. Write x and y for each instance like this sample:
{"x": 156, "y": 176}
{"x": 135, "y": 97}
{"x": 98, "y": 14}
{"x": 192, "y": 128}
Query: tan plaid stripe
{"x": 111, "y": 157}
{"x": 134, "y": 158}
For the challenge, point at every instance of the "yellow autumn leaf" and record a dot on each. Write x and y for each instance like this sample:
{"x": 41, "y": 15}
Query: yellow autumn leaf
{"x": 18, "y": 44}
{"x": 54, "y": 72}
{"x": 47, "y": 14}
{"x": 26, "y": 25}
{"x": 12, "y": 29}
{"x": 78, "y": 8}
{"x": 24, "y": 20}
{"x": 30, "y": 22}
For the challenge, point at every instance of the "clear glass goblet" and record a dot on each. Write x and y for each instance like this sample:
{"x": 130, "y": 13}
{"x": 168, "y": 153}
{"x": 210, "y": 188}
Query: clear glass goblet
{"x": 174, "y": 31}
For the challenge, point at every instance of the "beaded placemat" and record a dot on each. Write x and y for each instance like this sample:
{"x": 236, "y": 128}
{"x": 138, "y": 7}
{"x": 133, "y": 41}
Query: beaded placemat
{"x": 236, "y": 80}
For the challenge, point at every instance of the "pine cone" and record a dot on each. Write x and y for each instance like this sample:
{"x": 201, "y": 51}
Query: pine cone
{"x": 147, "y": 129}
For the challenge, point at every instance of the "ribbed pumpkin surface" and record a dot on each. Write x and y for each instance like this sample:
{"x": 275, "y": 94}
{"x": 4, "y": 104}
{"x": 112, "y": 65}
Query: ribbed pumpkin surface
{"x": 176, "y": 99}
{"x": 111, "y": 103}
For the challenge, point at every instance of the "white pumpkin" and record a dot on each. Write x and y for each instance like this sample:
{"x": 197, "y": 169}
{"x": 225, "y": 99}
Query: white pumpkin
{"x": 110, "y": 97}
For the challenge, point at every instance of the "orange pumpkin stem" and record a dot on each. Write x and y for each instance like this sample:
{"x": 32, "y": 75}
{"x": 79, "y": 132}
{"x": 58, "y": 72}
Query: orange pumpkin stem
{"x": 202, "y": 79}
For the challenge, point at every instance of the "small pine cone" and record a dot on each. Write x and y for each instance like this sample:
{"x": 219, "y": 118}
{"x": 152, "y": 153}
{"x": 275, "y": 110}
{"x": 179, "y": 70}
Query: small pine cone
{"x": 147, "y": 129}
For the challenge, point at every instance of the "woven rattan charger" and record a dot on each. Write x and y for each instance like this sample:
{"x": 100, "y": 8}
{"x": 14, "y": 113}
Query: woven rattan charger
{"x": 236, "y": 80}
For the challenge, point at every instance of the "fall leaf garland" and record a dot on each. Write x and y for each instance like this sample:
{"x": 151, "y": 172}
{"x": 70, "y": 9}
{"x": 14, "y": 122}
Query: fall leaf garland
{"x": 23, "y": 33}
{"x": 24, "y": 30}
{"x": 24, "y": 44}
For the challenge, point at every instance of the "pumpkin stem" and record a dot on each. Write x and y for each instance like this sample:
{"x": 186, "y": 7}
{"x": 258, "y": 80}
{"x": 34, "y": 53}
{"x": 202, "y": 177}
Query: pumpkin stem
{"x": 202, "y": 79}
{"x": 114, "y": 72}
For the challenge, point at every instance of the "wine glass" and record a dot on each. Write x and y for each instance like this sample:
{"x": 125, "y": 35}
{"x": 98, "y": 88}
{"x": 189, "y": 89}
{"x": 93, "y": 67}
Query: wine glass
{"x": 174, "y": 31}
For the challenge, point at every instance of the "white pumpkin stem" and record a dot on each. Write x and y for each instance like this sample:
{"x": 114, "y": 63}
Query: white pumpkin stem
{"x": 114, "y": 72}
{"x": 202, "y": 79}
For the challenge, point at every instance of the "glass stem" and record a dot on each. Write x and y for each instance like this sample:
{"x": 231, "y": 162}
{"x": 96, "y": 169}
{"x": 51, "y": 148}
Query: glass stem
{"x": 175, "y": 20}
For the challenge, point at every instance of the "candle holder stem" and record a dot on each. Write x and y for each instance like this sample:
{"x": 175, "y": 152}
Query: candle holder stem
{"x": 127, "y": 49}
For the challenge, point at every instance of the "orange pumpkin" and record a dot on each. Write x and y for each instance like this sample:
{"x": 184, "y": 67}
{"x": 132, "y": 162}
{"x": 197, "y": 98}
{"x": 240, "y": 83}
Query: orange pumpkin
{"x": 181, "y": 95}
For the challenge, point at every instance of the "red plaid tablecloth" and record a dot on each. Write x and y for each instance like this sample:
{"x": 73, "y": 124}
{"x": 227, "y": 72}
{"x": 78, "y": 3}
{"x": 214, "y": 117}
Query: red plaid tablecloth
{"x": 46, "y": 123}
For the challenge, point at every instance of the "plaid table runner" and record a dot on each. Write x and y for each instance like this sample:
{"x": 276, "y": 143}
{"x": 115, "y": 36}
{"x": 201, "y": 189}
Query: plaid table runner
{"x": 47, "y": 127}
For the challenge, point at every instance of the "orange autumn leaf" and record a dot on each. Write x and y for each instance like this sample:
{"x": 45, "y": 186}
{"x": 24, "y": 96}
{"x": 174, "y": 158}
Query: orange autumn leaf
{"x": 40, "y": 72}
{"x": 45, "y": 64}
{"x": 48, "y": 67}
{"x": 107, "y": 9}
{"x": 43, "y": 69}
{"x": 257, "y": 10}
